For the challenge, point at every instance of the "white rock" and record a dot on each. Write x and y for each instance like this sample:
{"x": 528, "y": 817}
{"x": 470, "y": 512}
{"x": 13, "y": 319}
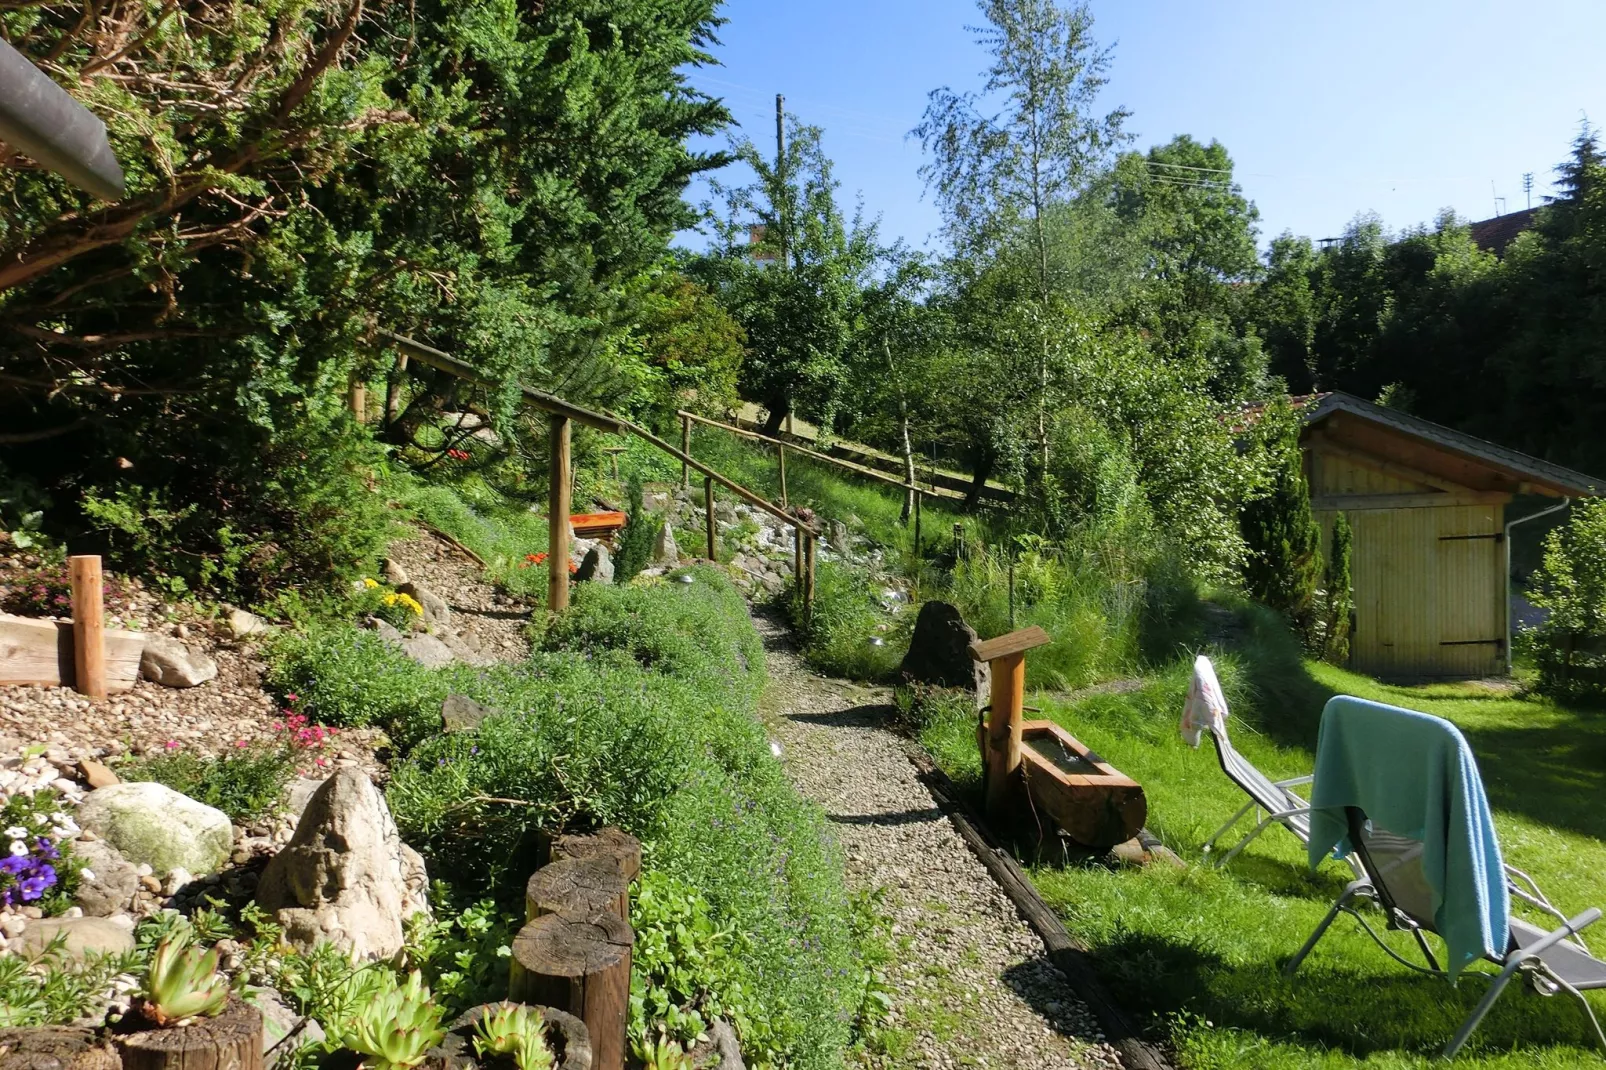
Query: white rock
{"x": 345, "y": 876}
{"x": 172, "y": 664}
{"x": 153, "y": 825}
{"x": 242, "y": 624}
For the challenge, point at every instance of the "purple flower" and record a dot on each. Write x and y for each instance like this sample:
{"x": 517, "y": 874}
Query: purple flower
{"x": 47, "y": 849}
{"x": 12, "y": 865}
{"x": 34, "y": 887}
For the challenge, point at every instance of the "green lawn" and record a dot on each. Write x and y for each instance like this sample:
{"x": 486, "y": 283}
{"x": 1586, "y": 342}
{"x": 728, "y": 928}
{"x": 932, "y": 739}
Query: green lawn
{"x": 1200, "y": 950}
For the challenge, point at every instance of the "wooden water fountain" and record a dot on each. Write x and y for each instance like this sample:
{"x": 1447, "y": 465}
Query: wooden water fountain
{"x": 1092, "y": 802}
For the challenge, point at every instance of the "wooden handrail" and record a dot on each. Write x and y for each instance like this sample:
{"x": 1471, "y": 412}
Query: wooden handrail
{"x": 735, "y": 488}
{"x": 540, "y": 399}
{"x": 933, "y": 491}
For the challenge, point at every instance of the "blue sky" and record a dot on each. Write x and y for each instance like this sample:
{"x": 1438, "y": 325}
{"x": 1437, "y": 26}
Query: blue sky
{"x": 1329, "y": 108}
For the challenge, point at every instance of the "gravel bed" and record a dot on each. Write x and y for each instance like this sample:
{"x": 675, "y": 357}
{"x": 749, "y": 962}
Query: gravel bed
{"x": 972, "y": 984}
{"x": 488, "y": 621}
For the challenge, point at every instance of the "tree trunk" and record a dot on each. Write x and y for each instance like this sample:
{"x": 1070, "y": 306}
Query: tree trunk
{"x": 779, "y": 409}
{"x": 56, "y": 1048}
{"x": 578, "y": 889}
{"x": 231, "y": 1041}
{"x": 908, "y": 464}
{"x": 582, "y": 967}
{"x": 621, "y": 848}
{"x": 978, "y": 482}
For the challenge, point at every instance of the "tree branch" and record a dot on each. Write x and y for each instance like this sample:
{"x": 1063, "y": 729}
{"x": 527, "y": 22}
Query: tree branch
{"x": 18, "y": 438}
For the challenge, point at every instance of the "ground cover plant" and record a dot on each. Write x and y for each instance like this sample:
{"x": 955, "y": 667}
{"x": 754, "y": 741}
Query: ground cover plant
{"x": 1199, "y": 951}
{"x": 635, "y": 710}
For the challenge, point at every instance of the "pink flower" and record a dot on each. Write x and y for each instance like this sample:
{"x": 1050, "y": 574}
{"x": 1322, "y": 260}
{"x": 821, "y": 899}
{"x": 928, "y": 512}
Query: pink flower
{"x": 171, "y": 744}
{"x": 322, "y": 761}
{"x": 292, "y": 697}
{"x": 241, "y": 743}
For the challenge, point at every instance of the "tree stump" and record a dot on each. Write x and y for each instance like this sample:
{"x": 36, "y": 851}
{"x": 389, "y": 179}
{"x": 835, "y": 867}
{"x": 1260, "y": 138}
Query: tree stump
{"x": 231, "y": 1041}
{"x": 582, "y": 967}
{"x": 610, "y": 842}
{"x": 579, "y": 889}
{"x": 56, "y": 1048}
{"x": 566, "y": 1035}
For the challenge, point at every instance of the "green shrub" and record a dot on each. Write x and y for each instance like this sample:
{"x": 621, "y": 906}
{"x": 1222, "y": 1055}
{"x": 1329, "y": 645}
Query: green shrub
{"x": 1569, "y": 648}
{"x": 351, "y": 678}
{"x": 246, "y": 784}
{"x": 637, "y": 710}
{"x": 1340, "y": 592}
{"x": 1284, "y": 565}
{"x": 636, "y": 540}
{"x": 839, "y": 634}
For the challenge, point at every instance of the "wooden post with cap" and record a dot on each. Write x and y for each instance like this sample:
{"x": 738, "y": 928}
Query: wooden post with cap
{"x": 560, "y": 485}
{"x": 1006, "y": 655}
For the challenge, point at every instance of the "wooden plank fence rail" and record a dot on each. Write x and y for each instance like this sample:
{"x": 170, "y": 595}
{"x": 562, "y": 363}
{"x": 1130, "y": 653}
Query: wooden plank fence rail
{"x": 561, "y": 468}
{"x": 937, "y": 492}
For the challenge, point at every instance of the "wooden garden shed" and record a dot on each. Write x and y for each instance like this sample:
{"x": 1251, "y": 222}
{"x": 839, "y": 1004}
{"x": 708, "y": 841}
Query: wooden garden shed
{"x": 1427, "y": 506}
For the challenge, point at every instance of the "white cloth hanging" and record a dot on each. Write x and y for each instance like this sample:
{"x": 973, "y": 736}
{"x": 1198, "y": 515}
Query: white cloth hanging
{"x": 1206, "y": 707}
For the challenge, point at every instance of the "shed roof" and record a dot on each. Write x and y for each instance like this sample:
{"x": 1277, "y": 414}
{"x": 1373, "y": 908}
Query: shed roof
{"x": 1500, "y": 231}
{"x": 1455, "y": 455}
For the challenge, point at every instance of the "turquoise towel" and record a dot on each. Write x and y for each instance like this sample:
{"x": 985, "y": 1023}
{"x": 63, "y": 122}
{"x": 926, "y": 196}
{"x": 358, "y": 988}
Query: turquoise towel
{"x": 1415, "y": 776}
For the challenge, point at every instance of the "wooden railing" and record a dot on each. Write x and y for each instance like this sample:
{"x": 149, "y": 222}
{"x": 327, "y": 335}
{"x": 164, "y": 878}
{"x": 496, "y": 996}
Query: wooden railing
{"x": 560, "y": 472}
{"x": 917, "y": 490}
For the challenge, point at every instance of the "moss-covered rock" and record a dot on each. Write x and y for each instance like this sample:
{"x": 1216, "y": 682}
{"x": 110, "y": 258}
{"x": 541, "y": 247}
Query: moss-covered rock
{"x": 153, "y": 824}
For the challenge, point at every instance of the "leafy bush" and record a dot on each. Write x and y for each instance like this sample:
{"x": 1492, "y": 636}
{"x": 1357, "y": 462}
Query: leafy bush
{"x": 352, "y": 678}
{"x": 1284, "y": 565}
{"x": 638, "y": 711}
{"x": 1569, "y": 648}
{"x": 839, "y": 633}
{"x": 47, "y": 592}
{"x": 247, "y": 784}
{"x": 1340, "y": 592}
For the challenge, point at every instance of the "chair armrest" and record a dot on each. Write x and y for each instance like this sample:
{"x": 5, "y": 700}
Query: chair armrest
{"x": 1291, "y": 781}
{"x": 1546, "y": 942}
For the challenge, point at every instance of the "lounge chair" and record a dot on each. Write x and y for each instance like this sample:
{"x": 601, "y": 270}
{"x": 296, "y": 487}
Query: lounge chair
{"x": 1271, "y": 802}
{"x": 1418, "y": 885}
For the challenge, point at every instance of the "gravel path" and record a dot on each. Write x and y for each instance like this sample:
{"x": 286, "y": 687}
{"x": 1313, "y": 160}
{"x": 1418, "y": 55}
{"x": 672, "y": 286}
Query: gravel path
{"x": 973, "y": 988}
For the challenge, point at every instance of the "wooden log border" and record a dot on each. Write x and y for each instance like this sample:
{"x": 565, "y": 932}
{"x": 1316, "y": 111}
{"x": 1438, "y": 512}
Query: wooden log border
{"x": 1072, "y": 958}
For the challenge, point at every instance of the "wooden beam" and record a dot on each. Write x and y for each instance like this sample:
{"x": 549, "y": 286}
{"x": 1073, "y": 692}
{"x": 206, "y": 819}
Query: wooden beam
{"x": 939, "y": 492}
{"x": 88, "y": 625}
{"x": 708, "y": 509}
{"x": 540, "y": 399}
{"x": 729, "y": 484}
{"x": 782, "y": 455}
{"x": 40, "y": 653}
{"x": 1004, "y": 723}
{"x": 558, "y": 500}
{"x": 1326, "y": 445}
{"x": 1014, "y": 643}
{"x": 1353, "y": 502}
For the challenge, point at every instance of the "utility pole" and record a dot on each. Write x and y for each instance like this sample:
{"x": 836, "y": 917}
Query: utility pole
{"x": 1528, "y": 187}
{"x": 780, "y": 172}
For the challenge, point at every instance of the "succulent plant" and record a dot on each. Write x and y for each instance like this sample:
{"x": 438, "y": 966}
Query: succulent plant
{"x": 183, "y": 984}
{"x": 396, "y": 1025}
{"x": 516, "y": 1030}
{"x": 664, "y": 1054}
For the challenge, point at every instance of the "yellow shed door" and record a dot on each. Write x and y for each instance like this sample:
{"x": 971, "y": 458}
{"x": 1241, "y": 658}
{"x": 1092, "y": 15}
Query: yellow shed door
{"x": 1428, "y": 591}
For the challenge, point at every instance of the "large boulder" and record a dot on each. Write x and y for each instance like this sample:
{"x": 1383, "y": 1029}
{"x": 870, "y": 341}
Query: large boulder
{"x": 939, "y": 651}
{"x": 108, "y": 881}
{"x": 596, "y": 568}
{"x": 172, "y": 664}
{"x": 459, "y": 713}
{"x": 345, "y": 876}
{"x": 428, "y": 650}
{"x": 151, "y": 824}
{"x": 436, "y": 611}
{"x": 81, "y": 936}
{"x": 665, "y": 551}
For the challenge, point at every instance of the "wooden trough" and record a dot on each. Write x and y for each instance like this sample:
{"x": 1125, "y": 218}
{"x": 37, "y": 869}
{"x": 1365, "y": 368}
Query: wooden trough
{"x": 1095, "y": 804}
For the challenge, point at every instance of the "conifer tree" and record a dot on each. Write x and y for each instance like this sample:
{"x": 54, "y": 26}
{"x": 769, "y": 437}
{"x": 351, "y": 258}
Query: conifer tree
{"x": 1340, "y": 598}
{"x": 1284, "y": 565}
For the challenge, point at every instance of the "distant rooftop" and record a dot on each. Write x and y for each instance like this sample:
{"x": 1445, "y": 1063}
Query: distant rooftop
{"x": 1493, "y": 235}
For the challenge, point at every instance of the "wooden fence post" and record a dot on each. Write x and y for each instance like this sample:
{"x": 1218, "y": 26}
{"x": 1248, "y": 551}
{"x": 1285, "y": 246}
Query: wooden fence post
{"x": 685, "y": 447}
{"x": 557, "y": 588}
{"x": 708, "y": 501}
{"x": 1006, "y": 655}
{"x": 918, "y": 496}
{"x": 797, "y": 558}
{"x": 782, "y": 450}
{"x": 808, "y": 577}
{"x": 88, "y": 625}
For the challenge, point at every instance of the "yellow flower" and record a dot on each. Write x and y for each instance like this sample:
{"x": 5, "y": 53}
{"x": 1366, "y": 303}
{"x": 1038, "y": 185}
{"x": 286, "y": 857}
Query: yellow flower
{"x": 369, "y": 583}
{"x": 405, "y": 600}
